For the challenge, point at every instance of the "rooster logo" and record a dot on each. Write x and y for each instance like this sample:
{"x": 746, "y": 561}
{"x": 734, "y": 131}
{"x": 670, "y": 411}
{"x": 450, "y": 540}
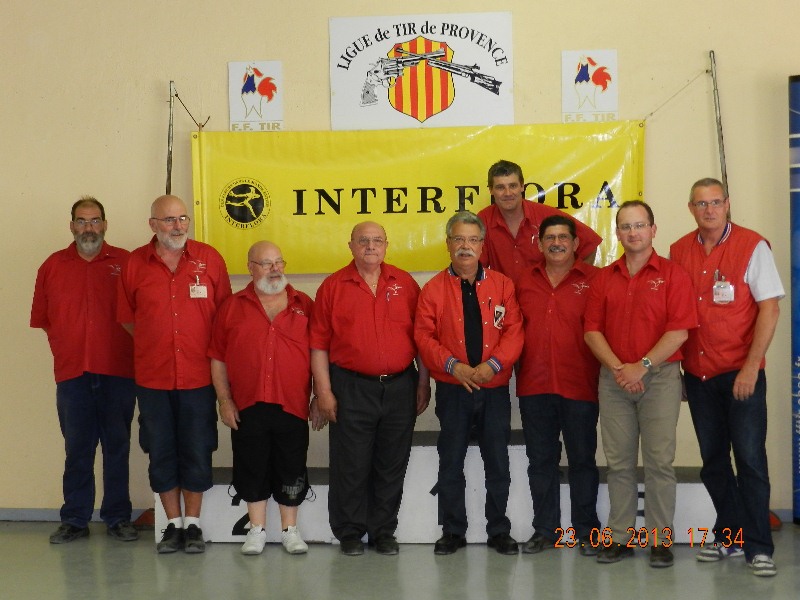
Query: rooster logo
{"x": 590, "y": 77}
{"x": 256, "y": 88}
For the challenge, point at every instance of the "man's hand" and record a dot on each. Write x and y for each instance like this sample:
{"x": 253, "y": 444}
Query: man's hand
{"x": 315, "y": 415}
{"x": 745, "y": 383}
{"x": 423, "y": 398}
{"x": 464, "y": 373}
{"x": 483, "y": 373}
{"x": 229, "y": 413}
{"x": 629, "y": 377}
{"x": 327, "y": 404}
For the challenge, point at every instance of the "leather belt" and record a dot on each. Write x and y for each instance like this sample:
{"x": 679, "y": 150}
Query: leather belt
{"x": 379, "y": 378}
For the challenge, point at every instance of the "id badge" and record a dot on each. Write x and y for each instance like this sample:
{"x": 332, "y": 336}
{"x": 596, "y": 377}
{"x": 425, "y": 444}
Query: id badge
{"x": 197, "y": 290}
{"x": 499, "y": 313}
{"x": 723, "y": 292}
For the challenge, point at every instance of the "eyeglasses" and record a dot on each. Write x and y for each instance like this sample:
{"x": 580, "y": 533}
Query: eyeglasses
{"x": 366, "y": 241}
{"x": 460, "y": 239}
{"x": 183, "y": 220}
{"x": 561, "y": 237}
{"x": 632, "y": 226}
{"x": 268, "y": 264}
{"x": 705, "y": 204}
{"x": 84, "y": 222}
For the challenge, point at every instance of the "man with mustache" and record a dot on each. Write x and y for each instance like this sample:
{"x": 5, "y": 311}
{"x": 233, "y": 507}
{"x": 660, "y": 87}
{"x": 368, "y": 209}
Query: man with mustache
{"x": 169, "y": 295}
{"x": 362, "y": 359}
{"x": 557, "y": 389}
{"x": 513, "y": 225}
{"x": 261, "y": 369}
{"x": 469, "y": 332}
{"x": 75, "y": 303}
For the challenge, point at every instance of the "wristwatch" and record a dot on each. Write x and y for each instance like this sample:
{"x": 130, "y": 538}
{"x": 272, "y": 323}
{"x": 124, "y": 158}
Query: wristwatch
{"x": 647, "y": 363}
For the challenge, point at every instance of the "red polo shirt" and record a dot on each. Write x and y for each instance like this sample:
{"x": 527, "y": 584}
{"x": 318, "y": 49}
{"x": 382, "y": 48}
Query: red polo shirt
{"x": 634, "y": 312}
{"x": 555, "y": 359}
{"x": 373, "y": 335}
{"x": 75, "y": 302}
{"x": 439, "y": 327}
{"x": 516, "y": 256}
{"x": 172, "y": 329}
{"x": 267, "y": 361}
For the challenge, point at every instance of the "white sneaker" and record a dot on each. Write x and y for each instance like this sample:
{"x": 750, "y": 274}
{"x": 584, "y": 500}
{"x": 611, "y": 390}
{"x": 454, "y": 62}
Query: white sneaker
{"x": 763, "y": 566}
{"x": 715, "y": 553}
{"x": 292, "y": 541}
{"x": 255, "y": 540}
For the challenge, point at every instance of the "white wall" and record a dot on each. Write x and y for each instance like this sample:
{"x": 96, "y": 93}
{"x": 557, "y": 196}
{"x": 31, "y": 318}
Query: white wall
{"x": 84, "y": 102}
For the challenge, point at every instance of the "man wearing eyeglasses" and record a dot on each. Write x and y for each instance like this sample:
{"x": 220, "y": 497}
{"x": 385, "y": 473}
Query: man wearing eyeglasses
{"x": 367, "y": 387}
{"x": 469, "y": 332}
{"x": 74, "y": 301}
{"x": 557, "y": 388}
{"x": 168, "y": 297}
{"x": 738, "y": 288}
{"x": 512, "y": 225}
{"x": 639, "y": 311}
{"x": 260, "y": 366}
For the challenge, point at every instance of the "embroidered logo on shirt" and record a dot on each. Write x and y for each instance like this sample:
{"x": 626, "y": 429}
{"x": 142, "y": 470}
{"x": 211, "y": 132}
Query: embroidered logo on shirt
{"x": 299, "y": 311}
{"x": 199, "y": 266}
{"x": 655, "y": 283}
{"x": 580, "y": 287}
{"x": 394, "y": 288}
{"x": 116, "y": 270}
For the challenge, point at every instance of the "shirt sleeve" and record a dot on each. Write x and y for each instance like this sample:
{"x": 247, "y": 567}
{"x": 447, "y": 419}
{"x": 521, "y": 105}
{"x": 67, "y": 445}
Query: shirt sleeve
{"x": 39, "y": 316}
{"x": 762, "y": 274}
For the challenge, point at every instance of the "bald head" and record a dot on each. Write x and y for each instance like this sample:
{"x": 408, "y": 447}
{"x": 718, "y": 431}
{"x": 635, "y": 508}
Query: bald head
{"x": 359, "y": 229}
{"x": 166, "y": 204}
{"x": 260, "y": 250}
{"x": 170, "y": 223}
{"x": 265, "y": 263}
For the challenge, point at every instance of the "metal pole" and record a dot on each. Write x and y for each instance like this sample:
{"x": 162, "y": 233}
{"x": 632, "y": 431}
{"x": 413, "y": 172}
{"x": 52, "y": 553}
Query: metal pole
{"x": 169, "y": 136}
{"x": 718, "y": 114}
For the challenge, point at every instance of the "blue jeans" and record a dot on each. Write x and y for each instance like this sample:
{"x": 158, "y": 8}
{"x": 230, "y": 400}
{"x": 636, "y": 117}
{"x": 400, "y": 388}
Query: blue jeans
{"x": 487, "y": 412}
{"x": 544, "y": 417}
{"x": 723, "y": 423}
{"x": 95, "y": 408}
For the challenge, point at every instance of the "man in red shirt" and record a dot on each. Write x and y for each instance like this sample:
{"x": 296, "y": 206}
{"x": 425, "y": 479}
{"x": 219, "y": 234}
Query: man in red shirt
{"x": 512, "y": 225}
{"x": 469, "y": 333}
{"x": 639, "y": 311}
{"x": 738, "y": 288}
{"x": 75, "y": 303}
{"x": 557, "y": 388}
{"x": 170, "y": 292}
{"x": 261, "y": 369}
{"x": 362, "y": 359}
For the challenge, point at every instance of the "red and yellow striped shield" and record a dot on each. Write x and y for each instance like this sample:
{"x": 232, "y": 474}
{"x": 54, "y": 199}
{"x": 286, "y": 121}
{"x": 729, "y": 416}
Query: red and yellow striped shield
{"x": 422, "y": 91}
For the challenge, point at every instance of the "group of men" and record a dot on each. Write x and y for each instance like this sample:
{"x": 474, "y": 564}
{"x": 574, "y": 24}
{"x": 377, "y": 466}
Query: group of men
{"x": 520, "y": 295}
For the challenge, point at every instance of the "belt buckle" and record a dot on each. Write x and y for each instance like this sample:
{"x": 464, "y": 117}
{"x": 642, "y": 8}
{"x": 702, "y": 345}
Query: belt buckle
{"x": 383, "y": 378}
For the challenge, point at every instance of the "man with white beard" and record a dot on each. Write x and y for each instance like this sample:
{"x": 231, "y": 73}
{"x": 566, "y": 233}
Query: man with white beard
{"x": 169, "y": 295}
{"x": 261, "y": 369}
{"x": 75, "y": 303}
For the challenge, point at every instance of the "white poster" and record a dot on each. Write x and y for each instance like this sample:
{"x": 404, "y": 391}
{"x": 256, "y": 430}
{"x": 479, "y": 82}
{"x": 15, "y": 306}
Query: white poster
{"x": 421, "y": 71}
{"x": 589, "y": 83}
{"x": 255, "y": 95}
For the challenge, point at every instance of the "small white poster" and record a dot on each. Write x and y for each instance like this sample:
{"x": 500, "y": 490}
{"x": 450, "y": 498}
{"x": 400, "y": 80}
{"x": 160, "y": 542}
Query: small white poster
{"x": 415, "y": 71}
{"x": 589, "y": 83}
{"x": 255, "y": 95}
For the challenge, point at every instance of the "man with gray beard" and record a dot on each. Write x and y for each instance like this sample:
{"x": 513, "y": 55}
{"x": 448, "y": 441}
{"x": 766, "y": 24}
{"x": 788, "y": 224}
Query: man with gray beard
{"x": 75, "y": 303}
{"x": 169, "y": 295}
{"x": 260, "y": 366}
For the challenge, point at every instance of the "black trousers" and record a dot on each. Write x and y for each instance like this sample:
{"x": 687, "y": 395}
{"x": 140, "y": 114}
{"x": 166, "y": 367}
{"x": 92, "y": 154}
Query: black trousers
{"x": 369, "y": 448}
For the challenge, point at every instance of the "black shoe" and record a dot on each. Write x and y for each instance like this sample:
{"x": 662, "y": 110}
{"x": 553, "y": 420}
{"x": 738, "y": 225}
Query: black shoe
{"x": 661, "y": 557}
{"x": 351, "y": 547}
{"x": 124, "y": 531}
{"x": 503, "y": 543}
{"x": 449, "y": 543}
{"x": 171, "y": 541}
{"x": 387, "y": 545}
{"x": 68, "y": 533}
{"x": 536, "y": 544}
{"x": 586, "y": 548}
{"x": 193, "y": 542}
{"x": 613, "y": 553}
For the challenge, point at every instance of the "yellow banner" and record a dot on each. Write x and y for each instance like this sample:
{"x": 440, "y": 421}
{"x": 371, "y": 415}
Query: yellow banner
{"x": 306, "y": 190}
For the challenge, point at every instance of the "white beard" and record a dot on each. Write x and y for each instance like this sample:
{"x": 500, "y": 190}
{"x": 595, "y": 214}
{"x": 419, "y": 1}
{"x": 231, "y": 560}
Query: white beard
{"x": 266, "y": 287}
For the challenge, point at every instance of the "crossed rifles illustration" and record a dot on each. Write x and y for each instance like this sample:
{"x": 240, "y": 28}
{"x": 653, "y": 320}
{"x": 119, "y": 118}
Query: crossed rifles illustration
{"x": 387, "y": 70}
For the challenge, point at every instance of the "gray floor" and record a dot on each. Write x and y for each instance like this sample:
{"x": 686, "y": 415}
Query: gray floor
{"x": 100, "y": 567}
